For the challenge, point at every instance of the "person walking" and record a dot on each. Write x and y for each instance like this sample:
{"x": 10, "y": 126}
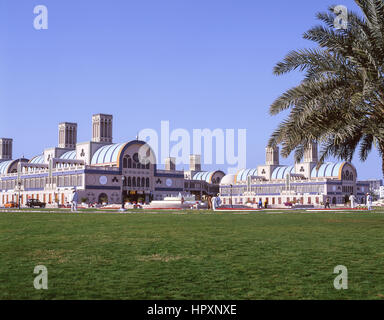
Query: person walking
{"x": 216, "y": 202}
{"x": 369, "y": 202}
{"x": 327, "y": 204}
{"x": 260, "y": 204}
{"x": 352, "y": 199}
{"x": 213, "y": 202}
{"x": 75, "y": 199}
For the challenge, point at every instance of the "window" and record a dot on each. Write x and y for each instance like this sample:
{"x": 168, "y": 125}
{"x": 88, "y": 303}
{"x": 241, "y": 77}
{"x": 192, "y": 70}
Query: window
{"x": 142, "y": 182}
{"x": 133, "y": 182}
{"x": 129, "y": 162}
{"x": 147, "y": 182}
{"x": 129, "y": 183}
{"x": 136, "y": 163}
{"x": 138, "y": 182}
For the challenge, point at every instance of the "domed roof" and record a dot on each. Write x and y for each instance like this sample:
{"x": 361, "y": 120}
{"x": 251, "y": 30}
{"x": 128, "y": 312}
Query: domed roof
{"x": 112, "y": 153}
{"x": 69, "y": 155}
{"x": 37, "y": 159}
{"x": 205, "y": 176}
{"x": 4, "y": 166}
{"x": 329, "y": 169}
{"x": 243, "y": 174}
{"x": 107, "y": 154}
{"x": 281, "y": 172}
{"x": 228, "y": 179}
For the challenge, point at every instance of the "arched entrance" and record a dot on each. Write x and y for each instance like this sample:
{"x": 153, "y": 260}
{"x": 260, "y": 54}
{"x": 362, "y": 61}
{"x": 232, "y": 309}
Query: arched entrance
{"x": 103, "y": 198}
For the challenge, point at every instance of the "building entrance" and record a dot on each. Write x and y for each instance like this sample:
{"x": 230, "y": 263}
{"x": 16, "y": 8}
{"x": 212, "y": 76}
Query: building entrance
{"x": 134, "y": 196}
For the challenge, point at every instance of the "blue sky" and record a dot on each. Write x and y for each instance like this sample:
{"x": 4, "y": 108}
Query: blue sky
{"x": 197, "y": 63}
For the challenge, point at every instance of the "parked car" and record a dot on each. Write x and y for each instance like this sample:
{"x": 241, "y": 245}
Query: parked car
{"x": 10, "y": 205}
{"x": 32, "y": 203}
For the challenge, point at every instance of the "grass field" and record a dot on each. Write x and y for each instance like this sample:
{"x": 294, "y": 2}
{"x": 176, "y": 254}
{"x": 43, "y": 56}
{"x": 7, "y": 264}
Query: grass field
{"x": 192, "y": 255}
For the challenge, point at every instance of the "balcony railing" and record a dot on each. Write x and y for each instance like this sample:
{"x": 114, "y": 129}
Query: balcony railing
{"x": 87, "y": 167}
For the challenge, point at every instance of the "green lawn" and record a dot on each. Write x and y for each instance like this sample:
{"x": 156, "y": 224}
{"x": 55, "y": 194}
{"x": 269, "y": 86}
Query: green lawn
{"x": 201, "y": 255}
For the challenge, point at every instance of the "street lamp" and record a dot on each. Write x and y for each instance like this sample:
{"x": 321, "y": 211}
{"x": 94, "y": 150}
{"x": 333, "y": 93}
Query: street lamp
{"x": 19, "y": 189}
{"x": 122, "y": 192}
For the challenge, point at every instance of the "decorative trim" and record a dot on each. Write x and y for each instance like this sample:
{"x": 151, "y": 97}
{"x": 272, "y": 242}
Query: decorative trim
{"x": 90, "y": 171}
{"x": 103, "y": 187}
{"x": 169, "y": 189}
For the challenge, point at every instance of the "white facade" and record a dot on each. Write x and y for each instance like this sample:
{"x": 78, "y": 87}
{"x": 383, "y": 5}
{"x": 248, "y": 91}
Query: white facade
{"x": 100, "y": 170}
{"x": 305, "y": 183}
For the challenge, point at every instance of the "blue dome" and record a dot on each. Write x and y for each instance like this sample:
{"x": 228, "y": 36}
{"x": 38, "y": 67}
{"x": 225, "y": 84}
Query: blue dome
{"x": 243, "y": 174}
{"x": 281, "y": 172}
{"x": 329, "y": 169}
{"x": 70, "y": 155}
{"x": 204, "y": 176}
{"x": 4, "y": 166}
{"x": 37, "y": 160}
{"x": 107, "y": 154}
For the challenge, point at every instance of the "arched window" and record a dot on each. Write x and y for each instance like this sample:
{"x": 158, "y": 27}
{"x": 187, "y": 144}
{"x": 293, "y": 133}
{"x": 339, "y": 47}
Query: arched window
{"x": 142, "y": 182}
{"x": 138, "y": 182}
{"x": 147, "y": 182}
{"x": 147, "y": 166}
{"x": 133, "y": 182}
{"x": 129, "y": 162}
{"x": 129, "y": 182}
{"x": 125, "y": 162}
{"x": 142, "y": 166}
{"x": 136, "y": 163}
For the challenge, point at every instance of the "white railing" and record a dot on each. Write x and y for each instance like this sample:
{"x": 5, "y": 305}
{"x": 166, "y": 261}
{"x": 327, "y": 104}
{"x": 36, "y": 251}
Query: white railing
{"x": 170, "y": 172}
{"x": 71, "y": 168}
{"x": 102, "y": 168}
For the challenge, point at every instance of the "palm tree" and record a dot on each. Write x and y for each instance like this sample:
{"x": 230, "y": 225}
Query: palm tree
{"x": 340, "y": 101}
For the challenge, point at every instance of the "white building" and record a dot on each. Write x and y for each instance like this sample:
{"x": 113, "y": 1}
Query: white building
{"x": 101, "y": 171}
{"x": 381, "y": 192}
{"x": 303, "y": 183}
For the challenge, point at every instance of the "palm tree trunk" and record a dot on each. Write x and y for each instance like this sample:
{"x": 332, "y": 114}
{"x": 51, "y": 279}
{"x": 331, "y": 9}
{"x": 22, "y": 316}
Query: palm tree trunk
{"x": 381, "y": 151}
